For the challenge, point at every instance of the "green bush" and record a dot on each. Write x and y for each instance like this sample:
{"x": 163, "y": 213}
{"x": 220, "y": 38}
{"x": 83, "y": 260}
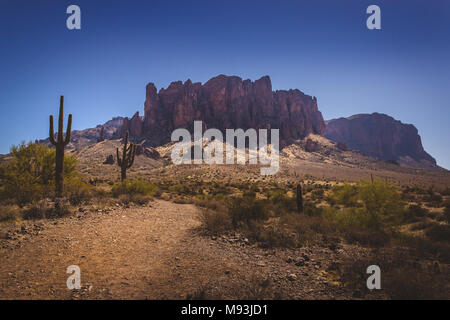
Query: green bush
{"x": 77, "y": 191}
{"x": 373, "y": 223}
{"x": 382, "y": 203}
{"x": 29, "y": 173}
{"x": 131, "y": 187}
{"x": 346, "y": 195}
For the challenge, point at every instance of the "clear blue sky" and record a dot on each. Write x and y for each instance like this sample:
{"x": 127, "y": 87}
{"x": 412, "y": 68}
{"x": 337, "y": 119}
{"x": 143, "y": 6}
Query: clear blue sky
{"x": 320, "y": 47}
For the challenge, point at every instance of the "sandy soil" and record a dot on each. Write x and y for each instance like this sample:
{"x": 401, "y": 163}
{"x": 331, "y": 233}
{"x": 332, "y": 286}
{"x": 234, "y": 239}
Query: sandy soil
{"x": 155, "y": 252}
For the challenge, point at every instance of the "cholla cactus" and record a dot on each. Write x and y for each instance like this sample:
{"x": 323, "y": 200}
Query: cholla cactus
{"x": 59, "y": 144}
{"x": 127, "y": 159}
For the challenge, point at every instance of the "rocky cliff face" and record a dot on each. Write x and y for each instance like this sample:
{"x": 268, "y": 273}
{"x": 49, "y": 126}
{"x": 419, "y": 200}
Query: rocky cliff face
{"x": 225, "y": 102}
{"x": 380, "y": 136}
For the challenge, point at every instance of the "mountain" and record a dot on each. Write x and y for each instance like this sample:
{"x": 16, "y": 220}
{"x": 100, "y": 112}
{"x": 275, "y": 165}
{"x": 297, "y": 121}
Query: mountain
{"x": 225, "y": 102}
{"x": 381, "y": 136}
{"x": 82, "y": 138}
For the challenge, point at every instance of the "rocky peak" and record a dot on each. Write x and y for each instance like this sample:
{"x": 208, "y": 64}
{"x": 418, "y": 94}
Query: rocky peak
{"x": 225, "y": 102}
{"x": 381, "y": 136}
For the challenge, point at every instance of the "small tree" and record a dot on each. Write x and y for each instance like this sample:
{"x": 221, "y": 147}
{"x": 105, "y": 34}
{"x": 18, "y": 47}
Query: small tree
{"x": 29, "y": 172}
{"x": 381, "y": 202}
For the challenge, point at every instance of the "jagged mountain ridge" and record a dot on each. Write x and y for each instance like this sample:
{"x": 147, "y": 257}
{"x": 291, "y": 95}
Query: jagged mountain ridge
{"x": 225, "y": 102}
{"x": 229, "y": 102}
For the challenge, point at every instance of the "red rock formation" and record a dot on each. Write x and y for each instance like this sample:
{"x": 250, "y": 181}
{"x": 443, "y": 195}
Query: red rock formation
{"x": 380, "y": 136}
{"x": 133, "y": 125}
{"x": 225, "y": 102}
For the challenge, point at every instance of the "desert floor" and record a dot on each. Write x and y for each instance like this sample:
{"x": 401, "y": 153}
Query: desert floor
{"x": 155, "y": 252}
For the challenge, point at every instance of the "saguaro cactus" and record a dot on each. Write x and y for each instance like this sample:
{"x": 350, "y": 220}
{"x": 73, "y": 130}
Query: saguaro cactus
{"x": 299, "y": 199}
{"x": 59, "y": 144}
{"x": 127, "y": 160}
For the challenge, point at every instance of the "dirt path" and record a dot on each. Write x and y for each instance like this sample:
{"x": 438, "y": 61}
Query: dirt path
{"x": 151, "y": 252}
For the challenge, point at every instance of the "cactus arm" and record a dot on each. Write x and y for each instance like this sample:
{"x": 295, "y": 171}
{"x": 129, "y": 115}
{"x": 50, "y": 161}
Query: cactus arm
{"x": 51, "y": 134}
{"x": 69, "y": 129}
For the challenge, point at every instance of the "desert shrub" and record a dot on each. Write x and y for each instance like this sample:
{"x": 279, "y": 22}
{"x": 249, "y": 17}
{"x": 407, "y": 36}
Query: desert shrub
{"x": 35, "y": 211}
{"x": 45, "y": 209}
{"x": 134, "y": 198}
{"x": 246, "y": 209}
{"x": 290, "y": 230}
{"x": 281, "y": 201}
{"x": 382, "y": 203}
{"x": 355, "y": 226}
{"x": 140, "y": 199}
{"x": 433, "y": 198}
{"x": 134, "y": 187}
{"x": 414, "y": 212}
{"x": 28, "y": 175}
{"x": 215, "y": 222}
{"x": 312, "y": 210}
{"x": 77, "y": 191}
{"x": 124, "y": 198}
{"x": 218, "y": 190}
{"x": 60, "y": 209}
{"x": 345, "y": 195}
{"x": 269, "y": 235}
{"x": 9, "y": 213}
{"x": 209, "y": 202}
{"x": 306, "y": 228}
{"x": 427, "y": 249}
{"x": 180, "y": 189}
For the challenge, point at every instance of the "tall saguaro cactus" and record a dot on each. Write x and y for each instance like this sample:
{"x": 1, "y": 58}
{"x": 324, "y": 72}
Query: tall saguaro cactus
{"x": 299, "y": 199}
{"x": 128, "y": 153}
{"x": 59, "y": 144}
